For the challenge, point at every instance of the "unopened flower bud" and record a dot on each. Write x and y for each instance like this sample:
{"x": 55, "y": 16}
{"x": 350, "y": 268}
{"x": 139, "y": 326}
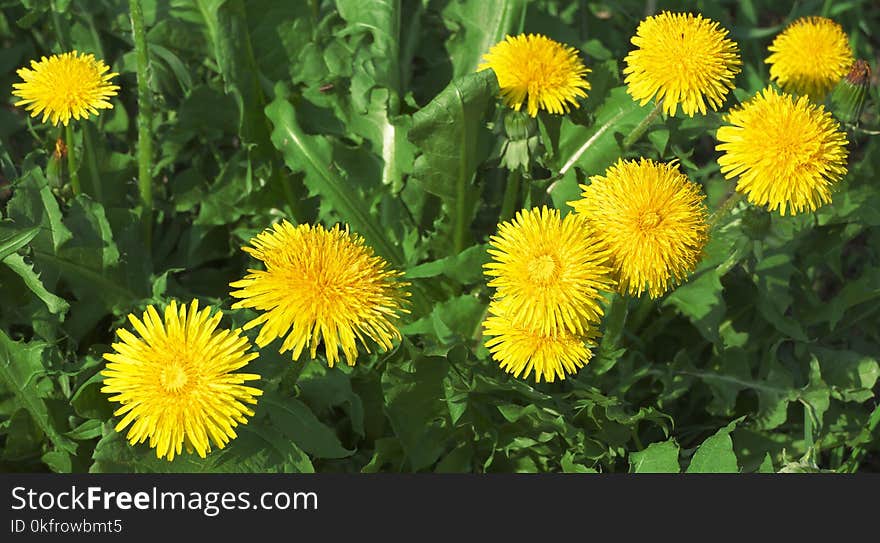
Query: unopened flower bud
{"x": 848, "y": 97}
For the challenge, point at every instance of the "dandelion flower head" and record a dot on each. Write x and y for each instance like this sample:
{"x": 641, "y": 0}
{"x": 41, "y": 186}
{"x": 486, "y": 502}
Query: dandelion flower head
{"x": 548, "y": 271}
{"x": 65, "y": 86}
{"x": 681, "y": 60}
{"x": 177, "y": 382}
{"x": 520, "y": 350}
{"x": 810, "y": 56}
{"x": 540, "y": 72}
{"x": 318, "y": 286}
{"x": 786, "y": 151}
{"x": 652, "y": 218}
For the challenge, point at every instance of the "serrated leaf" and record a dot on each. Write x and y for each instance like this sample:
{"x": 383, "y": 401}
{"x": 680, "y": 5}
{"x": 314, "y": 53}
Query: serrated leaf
{"x": 32, "y": 280}
{"x": 414, "y": 406}
{"x": 716, "y": 455}
{"x": 21, "y": 370}
{"x": 313, "y": 155}
{"x": 451, "y": 134}
{"x": 16, "y": 240}
{"x": 593, "y": 148}
{"x": 661, "y": 457}
{"x": 297, "y": 422}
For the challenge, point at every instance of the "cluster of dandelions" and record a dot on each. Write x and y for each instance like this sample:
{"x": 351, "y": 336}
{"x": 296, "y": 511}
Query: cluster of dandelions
{"x": 643, "y": 225}
{"x": 177, "y": 379}
{"x": 639, "y": 228}
{"x": 177, "y": 383}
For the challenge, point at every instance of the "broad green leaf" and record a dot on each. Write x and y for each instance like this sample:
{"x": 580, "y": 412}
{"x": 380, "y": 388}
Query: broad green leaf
{"x": 377, "y": 65}
{"x": 482, "y": 24}
{"x": 465, "y": 267}
{"x": 257, "y": 449}
{"x": 34, "y": 205}
{"x": 716, "y": 454}
{"x": 700, "y": 299}
{"x": 314, "y": 156}
{"x": 414, "y": 405}
{"x": 226, "y": 22}
{"x": 451, "y": 134}
{"x": 593, "y": 148}
{"x": 766, "y": 465}
{"x": 296, "y": 421}
{"x": 661, "y": 457}
{"x": 32, "y": 280}
{"x": 15, "y": 241}
{"x": 22, "y": 373}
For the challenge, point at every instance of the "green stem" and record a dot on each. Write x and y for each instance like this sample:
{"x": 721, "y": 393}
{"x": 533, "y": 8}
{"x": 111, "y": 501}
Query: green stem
{"x": 92, "y": 163}
{"x": 462, "y": 224}
{"x": 511, "y": 196}
{"x": 144, "y": 119}
{"x": 852, "y": 465}
{"x": 71, "y": 160}
{"x": 615, "y": 320}
{"x": 640, "y": 128}
{"x": 644, "y": 308}
{"x": 808, "y": 433}
{"x": 724, "y": 208}
{"x": 291, "y": 375}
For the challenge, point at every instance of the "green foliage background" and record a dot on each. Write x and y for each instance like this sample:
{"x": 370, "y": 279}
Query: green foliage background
{"x": 369, "y": 112}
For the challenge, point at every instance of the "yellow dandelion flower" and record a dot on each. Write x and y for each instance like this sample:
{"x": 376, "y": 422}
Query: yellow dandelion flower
{"x": 65, "y": 86}
{"x": 810, "y": 56}
{"x": 548, "y": 271}
{"x": 548, "y": 72}
{"x": 681, "y": 59}
{"x": 653, "y": 219}
{"x": 520, "y": 350}
{"x": 320, "y": 285}
{"x": 787, "y": 152}
{"x": 177, "y": 382}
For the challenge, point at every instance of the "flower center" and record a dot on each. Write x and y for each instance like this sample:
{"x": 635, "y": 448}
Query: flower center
{"x": 543, "y": 269}
{"x": 649, "y": 220}
{"x": 173, "y": 378}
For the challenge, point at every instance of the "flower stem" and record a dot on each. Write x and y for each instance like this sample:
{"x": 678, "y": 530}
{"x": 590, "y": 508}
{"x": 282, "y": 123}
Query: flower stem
{"x": 724, "y": 208}
{"x": 640, "y": 128}
{"x": 92, "y": 163}
{"x": 511, "y": 195}
{"x": 71, "y": 160}
{"x": 808, "y": 433}
{"x": 144, "y": 119}
{"x": 615, "y": 320}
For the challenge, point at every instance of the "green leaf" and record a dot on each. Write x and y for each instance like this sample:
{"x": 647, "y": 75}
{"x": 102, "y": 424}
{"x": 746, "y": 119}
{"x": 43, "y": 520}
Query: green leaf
{"x": 226, "y": 22}
{"x": 661, "y": 457}
{"x": 716, "y": 454}
{"x": 87, "y": 430}
{"x": 767, "y": 465}
{"x": 465, "y": 267}
{"x": 313, "y": 155}
{"x": 34, "y": 205}
{"x": 32, "y": 280}
{"x": 296, "y": 421}
{"x": 415, "y": 407}
{"x": 377, "y": 64}
{"x": 451, "y": 134}
{"x": 257, "y": 449}
{"x": 593, "y": 148}
{"x": 482, "y": 25}
{"x": 700, "y": 300}
{"x": 15, "y": 241}
{"x": 21, "y": 372}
